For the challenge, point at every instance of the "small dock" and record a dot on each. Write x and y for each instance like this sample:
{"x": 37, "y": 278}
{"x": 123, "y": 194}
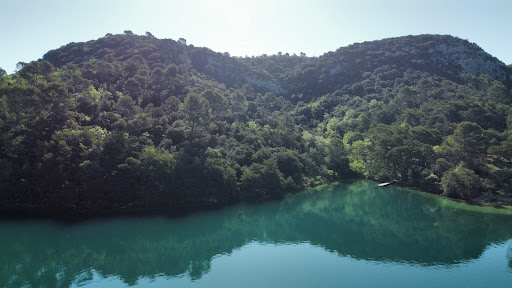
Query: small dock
{"x": 385, "y": 184}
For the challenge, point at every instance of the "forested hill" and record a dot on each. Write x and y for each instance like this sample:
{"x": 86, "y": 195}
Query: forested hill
{"x": 288, "y": 75}
{"x": 129, "y": 121}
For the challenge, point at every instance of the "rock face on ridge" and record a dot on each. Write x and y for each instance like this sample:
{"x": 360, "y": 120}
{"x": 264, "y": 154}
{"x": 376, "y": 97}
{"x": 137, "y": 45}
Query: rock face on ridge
{"x": 467, "y": 57}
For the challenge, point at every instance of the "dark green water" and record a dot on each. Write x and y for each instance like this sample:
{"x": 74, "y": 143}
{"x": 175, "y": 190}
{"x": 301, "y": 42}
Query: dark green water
{"x": 340, "y": 235}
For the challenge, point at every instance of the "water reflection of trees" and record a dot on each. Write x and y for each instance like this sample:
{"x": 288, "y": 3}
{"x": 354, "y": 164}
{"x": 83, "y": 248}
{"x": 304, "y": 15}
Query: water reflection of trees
{"x": 509, "y": 255}
{"x": 359, "y": 220}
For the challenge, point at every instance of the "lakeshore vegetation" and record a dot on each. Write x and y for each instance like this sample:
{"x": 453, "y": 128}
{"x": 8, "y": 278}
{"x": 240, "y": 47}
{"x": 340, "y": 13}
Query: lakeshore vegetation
{"x": 132, "y": 121}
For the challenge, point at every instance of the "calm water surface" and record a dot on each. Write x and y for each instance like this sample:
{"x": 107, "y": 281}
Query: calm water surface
{"x": 340, "y": 235}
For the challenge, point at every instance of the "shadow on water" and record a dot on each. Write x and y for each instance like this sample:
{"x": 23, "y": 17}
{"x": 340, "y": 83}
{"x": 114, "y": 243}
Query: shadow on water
{"x": 358, "y": 219}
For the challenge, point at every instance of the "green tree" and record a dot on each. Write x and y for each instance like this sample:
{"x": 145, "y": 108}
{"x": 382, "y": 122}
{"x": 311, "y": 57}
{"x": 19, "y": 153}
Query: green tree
{"x": 290, "y": 166}
{"x": 467, "y": 144}
{"x": 197, "y": 110}
{"x": 126, "y": 106}
{"x": 503, "y": 149}
{"x": 262, "y": 181}
{"x": 469, "y": 138}
{"x": 217, "y": 102}
{"x": 409, "y": 163}
{"x": 461, "y": 183}
{"x": 220, "y": 179}
{"x": 238, "y": 104}
{"x": 72, "y": 76}
{"x": 156, "y": 176}
{"x": 499, "y": 93}
{"x": 133, "y": 88}
{"x": 337, "y": 159}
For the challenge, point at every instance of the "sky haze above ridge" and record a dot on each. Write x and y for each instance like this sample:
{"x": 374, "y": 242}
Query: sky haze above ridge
{"x": 250, "y": 28}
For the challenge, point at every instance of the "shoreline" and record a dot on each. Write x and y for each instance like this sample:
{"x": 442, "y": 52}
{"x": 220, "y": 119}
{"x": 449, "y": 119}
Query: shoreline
{"x": 73, "y": 215}
{"x": 503, "y": 203}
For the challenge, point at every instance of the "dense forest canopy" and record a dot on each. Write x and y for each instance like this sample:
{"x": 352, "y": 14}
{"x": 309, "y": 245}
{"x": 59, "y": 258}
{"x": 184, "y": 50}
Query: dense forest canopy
{"x": 130, "y": 121}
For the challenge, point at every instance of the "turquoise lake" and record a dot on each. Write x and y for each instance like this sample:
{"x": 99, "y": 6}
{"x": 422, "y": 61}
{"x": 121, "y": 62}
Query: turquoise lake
{"x": 352, "y": 234}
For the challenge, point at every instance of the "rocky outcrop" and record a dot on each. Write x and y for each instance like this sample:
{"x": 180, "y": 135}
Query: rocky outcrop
{"x": 178, "y": 54}
{"x": 461, "y": 57}
{"x": 266, "y": 84}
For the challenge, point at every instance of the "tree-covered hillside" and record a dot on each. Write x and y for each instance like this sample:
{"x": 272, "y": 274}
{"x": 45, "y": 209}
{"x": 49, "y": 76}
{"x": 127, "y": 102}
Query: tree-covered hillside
{"x": 139, "y": 122}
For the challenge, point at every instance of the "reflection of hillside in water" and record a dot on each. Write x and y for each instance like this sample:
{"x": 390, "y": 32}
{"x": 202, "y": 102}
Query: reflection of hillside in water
{"x": 358, "y": 220}
{"x": 368, "y": 222}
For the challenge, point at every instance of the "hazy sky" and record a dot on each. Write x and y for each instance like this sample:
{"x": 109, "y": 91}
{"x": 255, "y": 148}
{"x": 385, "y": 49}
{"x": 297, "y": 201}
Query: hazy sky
{"x": 32, "y": 27}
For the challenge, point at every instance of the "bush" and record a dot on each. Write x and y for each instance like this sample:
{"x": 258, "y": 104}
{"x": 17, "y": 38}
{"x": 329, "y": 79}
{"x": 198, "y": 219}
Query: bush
{"x": 461, "y": 183}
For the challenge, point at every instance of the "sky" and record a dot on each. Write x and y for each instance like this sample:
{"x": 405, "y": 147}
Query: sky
{"x": 250, "y": 28}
